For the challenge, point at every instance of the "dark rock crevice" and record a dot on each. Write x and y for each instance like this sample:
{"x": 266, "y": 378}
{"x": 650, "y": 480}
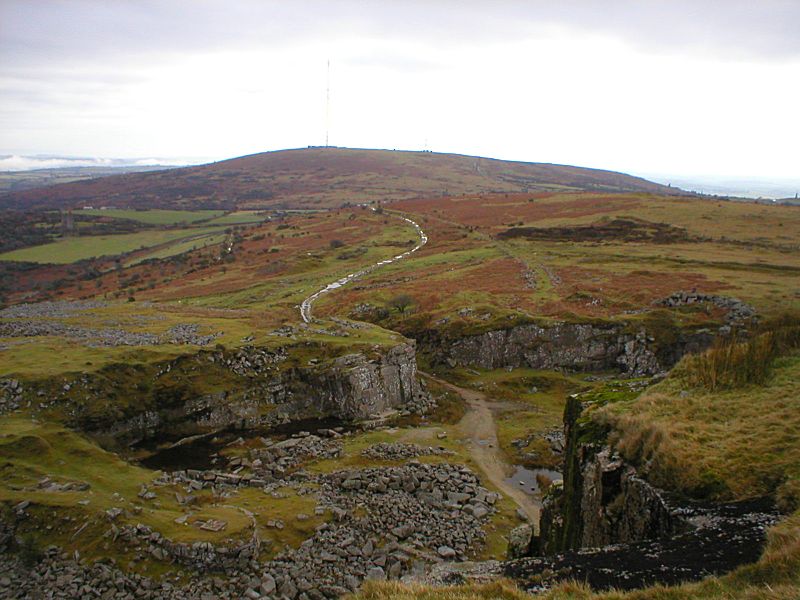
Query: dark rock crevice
{"x": 609, "y": 527}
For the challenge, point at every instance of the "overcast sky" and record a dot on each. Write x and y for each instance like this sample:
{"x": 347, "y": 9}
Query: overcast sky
{"x": 673, "y": 86}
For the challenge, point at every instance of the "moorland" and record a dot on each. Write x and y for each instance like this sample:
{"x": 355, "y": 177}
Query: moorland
{"x": 568, "y": 359}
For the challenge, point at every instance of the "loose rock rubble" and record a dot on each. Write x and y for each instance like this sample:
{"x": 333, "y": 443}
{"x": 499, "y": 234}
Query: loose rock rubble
{"x": 60, "y": 575}
{"x": 249, "y": 361}
{"x": 201, "y": 556}
{"x": 398, "y": 451}
{"x": 187, "y": 333}
{"x": 35, "y": 320}
{"x": 412, "y": 513}
{"x": 93, "y": 337}
{"x": 276, "y": 458}
{"x": 385, "y": 523}
{"x": 737, "y": 311}
{"x": 59, "y": 309}
{"x": 10, "y": 395}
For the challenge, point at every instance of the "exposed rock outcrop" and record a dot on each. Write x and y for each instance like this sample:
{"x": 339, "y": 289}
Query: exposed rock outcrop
{"x": 602, "y": 501}
{"x": 256, "y": 388}
{"x": 612, "y": 529}
{"x": 354, "y": 387}
{"x": 568, "y": 346}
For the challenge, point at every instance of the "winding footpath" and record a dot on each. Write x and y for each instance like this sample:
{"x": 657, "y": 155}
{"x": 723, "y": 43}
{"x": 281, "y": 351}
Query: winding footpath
{"x": 479, "y": 429}
{"x": 305, "y": 306}
{"x": 478, "y": 424}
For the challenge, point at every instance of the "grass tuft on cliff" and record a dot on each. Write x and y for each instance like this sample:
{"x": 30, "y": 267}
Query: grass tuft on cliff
{"x": 731, "y": 444}
{"x": 731, "y": 363}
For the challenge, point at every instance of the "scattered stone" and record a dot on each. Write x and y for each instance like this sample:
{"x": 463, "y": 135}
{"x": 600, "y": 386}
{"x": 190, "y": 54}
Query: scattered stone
{"x": 399, "y": 451}
{"x": 213, "y": 525}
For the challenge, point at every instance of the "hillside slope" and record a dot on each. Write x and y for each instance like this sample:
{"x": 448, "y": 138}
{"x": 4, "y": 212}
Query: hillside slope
{"x": 323, "y": 178}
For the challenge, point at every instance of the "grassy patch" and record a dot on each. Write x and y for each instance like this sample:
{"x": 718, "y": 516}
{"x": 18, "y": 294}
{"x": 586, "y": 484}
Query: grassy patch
{"x": 181, "y": 246}
{"x": 241, "y": 217}
{"x": 70, "y": 250}
{"x": 31, "y": 451}
{"x": 731, "y": 363}
{"x": 154, "y": 216}
{"x": 736, "y": 443}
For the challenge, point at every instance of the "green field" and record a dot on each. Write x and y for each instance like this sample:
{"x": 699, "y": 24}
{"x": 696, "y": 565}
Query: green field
{"x": 74, "y": 249}
{"x": 239, "y": 218}
{"x": 155, "y": 216}
{"x": 181, "y": 247}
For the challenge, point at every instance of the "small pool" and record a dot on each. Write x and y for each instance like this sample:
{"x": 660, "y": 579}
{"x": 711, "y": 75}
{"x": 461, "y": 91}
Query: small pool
{"x": 201, "y": 453}
{"x": 526, "y": 479}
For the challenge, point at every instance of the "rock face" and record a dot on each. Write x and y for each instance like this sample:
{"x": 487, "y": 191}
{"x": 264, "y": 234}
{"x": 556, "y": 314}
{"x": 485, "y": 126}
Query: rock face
{"x": 570, "y": 346}
{"x": 616, "y": 507}
{"x": 610, "y": 528}
{"x": 602, "y": 501}
{"x": 355, "y": 387}
{"x": 258, "y": 389}
{"x": 519, "y": 541}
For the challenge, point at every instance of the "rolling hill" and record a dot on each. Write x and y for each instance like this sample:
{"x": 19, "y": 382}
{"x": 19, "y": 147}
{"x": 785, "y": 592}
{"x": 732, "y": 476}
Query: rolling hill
{"x": 323, "y": 178}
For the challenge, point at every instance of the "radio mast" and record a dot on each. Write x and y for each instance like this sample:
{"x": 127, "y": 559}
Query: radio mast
{"x": 328, "y": 104}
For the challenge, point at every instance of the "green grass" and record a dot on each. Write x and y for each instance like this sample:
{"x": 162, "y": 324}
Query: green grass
{"x": 181, "y": 247}
{"x": 70, "y": 250}
{"x": 241, "y": 217}
{"x": 735, "y": 443}
{"x": 732, "y": 363}
{"x": 47, "y": 356}
{"x": 31, "y": 450}
{"x": 154, "y": 216}
{"x": 521, "y": 412}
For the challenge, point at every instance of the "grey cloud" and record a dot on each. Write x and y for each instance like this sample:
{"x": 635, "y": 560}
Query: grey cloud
{"x": 48, "y": 31}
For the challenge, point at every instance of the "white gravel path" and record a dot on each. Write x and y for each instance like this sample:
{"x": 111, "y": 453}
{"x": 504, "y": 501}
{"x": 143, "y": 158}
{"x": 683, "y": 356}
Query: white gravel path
{"x": 305, "y": 306}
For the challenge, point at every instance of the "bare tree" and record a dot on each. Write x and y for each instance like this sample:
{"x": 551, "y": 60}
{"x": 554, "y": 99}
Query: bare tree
{"x": 401, "y": 303}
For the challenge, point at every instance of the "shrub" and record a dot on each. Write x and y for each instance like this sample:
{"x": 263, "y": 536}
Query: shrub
{"x": 401, "y": 303}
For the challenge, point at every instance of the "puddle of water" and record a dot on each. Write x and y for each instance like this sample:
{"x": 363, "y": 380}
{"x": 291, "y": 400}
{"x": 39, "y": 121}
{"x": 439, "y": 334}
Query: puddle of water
{"x": 525, "y": 479}
{"x": 201, "y": 453}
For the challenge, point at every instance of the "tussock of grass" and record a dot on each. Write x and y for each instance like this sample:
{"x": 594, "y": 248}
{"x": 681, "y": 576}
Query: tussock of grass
{"x": 498, "y": 590}
{"x": 731, "y": 364}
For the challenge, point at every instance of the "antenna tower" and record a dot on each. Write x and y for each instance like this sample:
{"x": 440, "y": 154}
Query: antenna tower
{"x": 328, "y": 104}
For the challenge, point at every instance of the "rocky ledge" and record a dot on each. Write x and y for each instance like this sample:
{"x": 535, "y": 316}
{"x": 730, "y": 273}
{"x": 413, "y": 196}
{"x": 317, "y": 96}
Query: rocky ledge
{"x": 722, "y": 538}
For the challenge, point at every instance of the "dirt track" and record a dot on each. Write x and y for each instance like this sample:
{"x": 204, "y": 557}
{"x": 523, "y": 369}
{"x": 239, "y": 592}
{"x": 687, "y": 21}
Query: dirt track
{"x": 480, "y": 431}
{"x": 305, "y": 306}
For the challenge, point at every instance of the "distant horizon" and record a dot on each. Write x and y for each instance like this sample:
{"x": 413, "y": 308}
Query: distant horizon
{"x": 629, "y": 87}
{"x": 745, "y": 186}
